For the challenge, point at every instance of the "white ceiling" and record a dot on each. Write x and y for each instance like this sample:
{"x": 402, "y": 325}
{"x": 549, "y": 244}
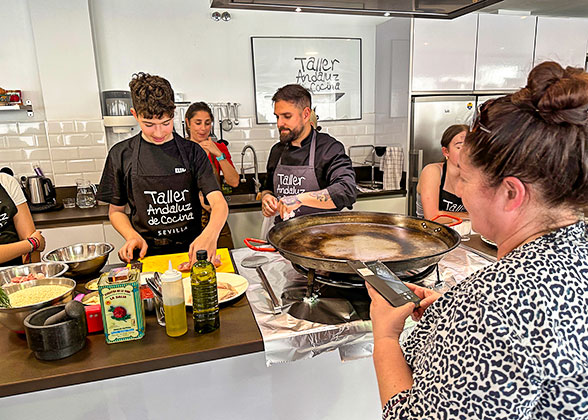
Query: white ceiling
{"x": 562, "y": 8}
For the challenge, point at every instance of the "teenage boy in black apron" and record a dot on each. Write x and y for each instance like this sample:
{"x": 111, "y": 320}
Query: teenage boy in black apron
{"x": 308, "y": 171}
{"x": 158, "y": 174}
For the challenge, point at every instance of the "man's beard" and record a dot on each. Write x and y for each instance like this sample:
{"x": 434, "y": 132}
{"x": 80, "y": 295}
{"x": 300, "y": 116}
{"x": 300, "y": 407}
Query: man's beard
{"x": 290, "y": 135}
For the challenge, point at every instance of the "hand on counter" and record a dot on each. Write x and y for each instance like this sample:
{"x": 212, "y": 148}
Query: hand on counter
{"x": 136, "y": 242}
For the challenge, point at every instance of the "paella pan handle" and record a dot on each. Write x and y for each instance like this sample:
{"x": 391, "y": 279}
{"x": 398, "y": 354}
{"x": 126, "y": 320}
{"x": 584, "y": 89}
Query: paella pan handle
{"x": 250, "y": 241}
{"x": 457, "y": 219}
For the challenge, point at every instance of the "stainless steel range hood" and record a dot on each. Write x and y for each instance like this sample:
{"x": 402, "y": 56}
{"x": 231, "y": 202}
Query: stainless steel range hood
{"x": 440, "y": 9}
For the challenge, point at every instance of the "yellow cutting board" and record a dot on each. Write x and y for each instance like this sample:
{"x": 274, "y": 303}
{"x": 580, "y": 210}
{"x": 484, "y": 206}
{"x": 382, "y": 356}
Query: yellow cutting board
{"x": 160, "y": 262}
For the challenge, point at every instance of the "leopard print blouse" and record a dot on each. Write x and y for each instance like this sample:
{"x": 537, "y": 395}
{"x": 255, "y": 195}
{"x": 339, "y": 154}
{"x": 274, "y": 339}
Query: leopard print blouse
{"x": 509, "y": 342}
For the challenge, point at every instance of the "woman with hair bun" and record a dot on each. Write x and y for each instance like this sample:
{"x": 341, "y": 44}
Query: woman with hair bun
{"x": 511, "y": 340}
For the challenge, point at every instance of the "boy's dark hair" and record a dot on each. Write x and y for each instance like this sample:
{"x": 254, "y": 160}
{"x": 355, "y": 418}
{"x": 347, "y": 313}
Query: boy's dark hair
{"x": 295, "y": 94}
{"x": 153, "y": 96}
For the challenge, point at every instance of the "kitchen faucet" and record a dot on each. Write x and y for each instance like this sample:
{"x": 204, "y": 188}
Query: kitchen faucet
{"x": 254, "y": 167}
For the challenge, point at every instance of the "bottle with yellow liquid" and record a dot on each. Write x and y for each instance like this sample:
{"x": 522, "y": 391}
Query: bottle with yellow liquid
{"x": 174, "y": 305}
{"x": 204, "y": 295}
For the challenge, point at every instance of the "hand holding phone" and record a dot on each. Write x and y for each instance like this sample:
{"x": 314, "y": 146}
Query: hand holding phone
{"x": 379, "y": 276}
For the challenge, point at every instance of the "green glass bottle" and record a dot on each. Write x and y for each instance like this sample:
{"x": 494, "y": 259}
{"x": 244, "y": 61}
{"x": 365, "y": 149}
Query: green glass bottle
{"x": 204, "y": 295}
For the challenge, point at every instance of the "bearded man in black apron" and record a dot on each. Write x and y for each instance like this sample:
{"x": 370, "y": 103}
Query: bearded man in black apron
{"x": 159, "y": 174}
{"x": 308, "y": 171}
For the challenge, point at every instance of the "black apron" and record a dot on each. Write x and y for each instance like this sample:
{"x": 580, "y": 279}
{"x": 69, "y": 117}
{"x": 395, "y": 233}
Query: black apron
{"x": 8, "y": 233}
{"x": 167, "y": 209}
{"x": 447, "y": 200}
{"x": 295, "y": 179}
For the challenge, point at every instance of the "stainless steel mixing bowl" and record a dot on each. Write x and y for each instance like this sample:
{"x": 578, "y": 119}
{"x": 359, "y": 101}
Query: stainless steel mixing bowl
{"x": 13, "y": 318}
{"x": 48, "y": 269}
{"x": 83, "y": 259}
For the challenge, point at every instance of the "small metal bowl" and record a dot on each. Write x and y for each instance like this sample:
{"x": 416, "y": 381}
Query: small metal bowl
{"x": 83, "y": 259}
{"x": 49, "y": 269}
{"x": 13, "y": 318}
{"x": 86, "y": 300}
{"x": 92, "y": 285}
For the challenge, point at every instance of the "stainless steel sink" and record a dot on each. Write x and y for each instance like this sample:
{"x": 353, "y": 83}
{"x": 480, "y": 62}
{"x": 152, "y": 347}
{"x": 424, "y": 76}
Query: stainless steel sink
{"x": 240, "y": 199}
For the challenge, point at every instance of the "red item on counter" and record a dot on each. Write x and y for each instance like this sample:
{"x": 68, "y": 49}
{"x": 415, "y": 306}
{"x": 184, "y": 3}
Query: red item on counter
{"x": 94, "y": 318}
{"x": 146, "y": 292}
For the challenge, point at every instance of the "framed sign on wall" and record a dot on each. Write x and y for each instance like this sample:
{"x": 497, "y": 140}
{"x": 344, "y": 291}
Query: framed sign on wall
{"x": 330, "y": 68}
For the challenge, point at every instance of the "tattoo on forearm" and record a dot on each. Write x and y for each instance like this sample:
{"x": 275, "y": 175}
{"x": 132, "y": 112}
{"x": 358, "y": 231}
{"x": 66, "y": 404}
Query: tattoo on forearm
{"x": 322, "y": 195}
{"x": 290, "y": 200}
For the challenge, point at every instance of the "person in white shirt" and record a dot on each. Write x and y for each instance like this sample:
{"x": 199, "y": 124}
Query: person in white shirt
{"x": 20, "y": 242}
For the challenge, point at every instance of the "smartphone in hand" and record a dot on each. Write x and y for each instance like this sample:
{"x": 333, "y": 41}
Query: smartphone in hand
{"x": 379, "y": 276}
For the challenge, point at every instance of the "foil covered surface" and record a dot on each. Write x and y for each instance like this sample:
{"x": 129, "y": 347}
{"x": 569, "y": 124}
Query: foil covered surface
{"x": 287, "y": 338}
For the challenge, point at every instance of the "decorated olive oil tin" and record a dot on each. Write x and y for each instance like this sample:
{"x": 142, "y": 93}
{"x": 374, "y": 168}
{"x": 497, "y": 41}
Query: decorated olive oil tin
{"x": 123, "y": 314}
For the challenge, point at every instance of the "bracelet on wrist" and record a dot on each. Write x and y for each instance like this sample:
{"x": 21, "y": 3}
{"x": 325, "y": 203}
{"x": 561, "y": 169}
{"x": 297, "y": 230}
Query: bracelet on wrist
{"x": 34, "y": 243}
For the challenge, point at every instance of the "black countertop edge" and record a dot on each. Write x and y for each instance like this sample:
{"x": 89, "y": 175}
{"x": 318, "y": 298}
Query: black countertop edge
{"x": 100, "y": 213}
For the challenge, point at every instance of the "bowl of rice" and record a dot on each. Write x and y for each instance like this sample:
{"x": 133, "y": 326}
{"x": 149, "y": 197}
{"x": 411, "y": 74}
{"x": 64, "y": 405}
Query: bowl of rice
{"x": 29, "y": 296}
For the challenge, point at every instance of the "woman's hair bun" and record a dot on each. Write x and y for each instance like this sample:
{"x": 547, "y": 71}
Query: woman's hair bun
{"x": 558, "y": 95}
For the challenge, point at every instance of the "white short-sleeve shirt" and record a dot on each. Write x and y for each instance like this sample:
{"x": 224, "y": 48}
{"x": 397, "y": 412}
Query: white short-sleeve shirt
{"x": 13, "y": 188}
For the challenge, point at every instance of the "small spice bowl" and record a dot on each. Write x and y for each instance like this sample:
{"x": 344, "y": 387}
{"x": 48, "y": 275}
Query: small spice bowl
{"x": 92, "y": 285}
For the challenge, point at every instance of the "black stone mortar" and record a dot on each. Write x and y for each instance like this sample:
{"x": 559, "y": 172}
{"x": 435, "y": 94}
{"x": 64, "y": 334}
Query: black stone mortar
{"x": 58, "y": 341}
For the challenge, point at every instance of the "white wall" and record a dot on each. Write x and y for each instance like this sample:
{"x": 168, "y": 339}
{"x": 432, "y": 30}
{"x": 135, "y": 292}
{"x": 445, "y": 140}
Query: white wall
{"x": 19, "y": 60}
{"x": 204, "y": 59}
{"x": 64, "y": 53}
{"x": 65, "y": 56}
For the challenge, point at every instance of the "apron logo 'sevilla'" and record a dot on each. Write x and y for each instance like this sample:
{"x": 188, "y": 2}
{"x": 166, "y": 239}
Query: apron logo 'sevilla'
{"x": 180, "y": 170}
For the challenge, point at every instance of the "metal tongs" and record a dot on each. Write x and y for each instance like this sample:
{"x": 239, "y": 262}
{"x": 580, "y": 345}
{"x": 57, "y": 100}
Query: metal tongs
{"x": 154, "y": 283}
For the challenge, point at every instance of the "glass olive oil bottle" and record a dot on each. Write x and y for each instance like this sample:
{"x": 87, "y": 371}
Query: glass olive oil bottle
{"x": 204, "y": 295}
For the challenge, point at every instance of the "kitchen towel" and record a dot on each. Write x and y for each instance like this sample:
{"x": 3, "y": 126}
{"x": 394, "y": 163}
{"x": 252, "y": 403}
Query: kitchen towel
{"x": 392, "y": 165}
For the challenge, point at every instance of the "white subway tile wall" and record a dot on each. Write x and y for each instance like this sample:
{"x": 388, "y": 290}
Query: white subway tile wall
{"x": 69, "y": 150}
{"x": 263, "y": 137}
{"x": 65, "y": 150}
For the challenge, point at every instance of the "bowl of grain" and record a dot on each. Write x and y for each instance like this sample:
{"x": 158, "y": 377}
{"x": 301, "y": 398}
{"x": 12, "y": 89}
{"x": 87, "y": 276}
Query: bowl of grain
{"x": 27, "y": 297}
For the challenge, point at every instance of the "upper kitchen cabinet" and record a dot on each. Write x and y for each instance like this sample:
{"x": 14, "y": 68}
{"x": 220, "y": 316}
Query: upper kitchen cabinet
{"x": 504, "y": 55}
{"x": 562, "y": 40}
{"x": 443, "y": 54}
